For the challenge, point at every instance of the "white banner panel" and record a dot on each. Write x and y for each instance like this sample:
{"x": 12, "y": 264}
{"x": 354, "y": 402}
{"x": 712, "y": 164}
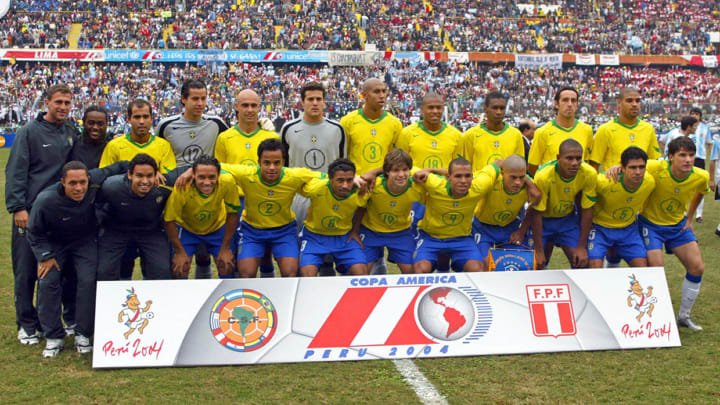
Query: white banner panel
{"x": 540, "y": 60}
{"x": 459, "y": 57}
{"x": 585, "y": 60}
{"x": 218, "y": 322}
{"x": 350, "y": 58}
{"x": 710, "y": 61}
{"x": 610, "y": 60}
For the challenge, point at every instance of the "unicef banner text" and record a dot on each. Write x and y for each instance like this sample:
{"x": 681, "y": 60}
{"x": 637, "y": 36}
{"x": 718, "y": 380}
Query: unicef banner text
{"x": 219, "y": 322}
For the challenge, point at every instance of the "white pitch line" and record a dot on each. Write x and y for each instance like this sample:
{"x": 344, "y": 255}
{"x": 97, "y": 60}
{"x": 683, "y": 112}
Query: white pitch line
{"x": 423, "y": 388}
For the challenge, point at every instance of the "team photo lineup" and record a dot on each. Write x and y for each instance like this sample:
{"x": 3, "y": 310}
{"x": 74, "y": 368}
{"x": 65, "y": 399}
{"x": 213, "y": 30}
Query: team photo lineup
{"x": 320, "y": 196}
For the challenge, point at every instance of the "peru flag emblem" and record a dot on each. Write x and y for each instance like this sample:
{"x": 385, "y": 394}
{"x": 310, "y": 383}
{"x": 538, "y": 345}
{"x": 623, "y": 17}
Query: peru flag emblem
{"x": 551, "y": 310}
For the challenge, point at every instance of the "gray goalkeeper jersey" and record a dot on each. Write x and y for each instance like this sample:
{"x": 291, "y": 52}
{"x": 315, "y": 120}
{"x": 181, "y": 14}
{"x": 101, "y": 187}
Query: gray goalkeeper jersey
{"x": 313, "y": 146}
{"x": 190, "y": 139}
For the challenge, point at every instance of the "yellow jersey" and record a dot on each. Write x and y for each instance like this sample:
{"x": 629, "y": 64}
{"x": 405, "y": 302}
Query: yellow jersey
{"x": 668, "y": 203}
{"x": 328, "y": 214}
{"x": 546, "y": 143}
{"x": 483, "y": 146}
{"x": 450, "y": 217}
{"x": 268, "y": 205}
{"x": 558, "y": 194}
{"x": 370, "y": 140}
{"x": 388, "y": 212}
{"x": 124, "y": 148}
{"x": 431, "y": 149}
{"x": 500, "y": 207}
{"x": 199, "y": 213}
{"x": 612, "y": 138}
{"x": 236, "y": 147}
{"x": 617, "y": 207}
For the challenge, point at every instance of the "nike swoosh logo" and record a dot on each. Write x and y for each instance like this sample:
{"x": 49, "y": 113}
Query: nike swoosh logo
{"x": 45, "y": 145}
{"x": 121, "y": 147}
{"x": 176, "y": 128}
{"x": 66, "y": 218}
{"x": 298, "y": 130}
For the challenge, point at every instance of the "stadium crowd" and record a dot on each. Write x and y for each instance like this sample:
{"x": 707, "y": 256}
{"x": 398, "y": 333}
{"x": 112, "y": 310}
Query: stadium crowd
{"x": 629, "y": 27}
{"x": 665, "y": 90}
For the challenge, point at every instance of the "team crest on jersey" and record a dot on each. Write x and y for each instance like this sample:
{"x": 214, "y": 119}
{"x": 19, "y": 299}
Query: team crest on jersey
{"x": 677, "y": 191}
{"x": 313, "y": 139}
{"x": 455, "y": 204}
{"x": 497, "y": 144}
{"x": 434, "y": 144}
{"x": 336, "y": 207}
{"x": 193, "y": 134}
{"x": 392, "y": 203}
{"x": 158, "y": 199}
{"x": 248, "y": 146}
{"x": 632, "y": 137}
{"x": 509, "y": 201}
{"x": 373, "y": 132}
{"x": 629, "y": 199}
{"x": 566, "y": 190}
{"x": 271, "y": 193}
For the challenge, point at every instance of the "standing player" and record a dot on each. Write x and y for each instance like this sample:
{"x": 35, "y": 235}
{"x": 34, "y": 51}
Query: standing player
{"x": 627, "y": 129}
{"x": 497, "y": 215}
{"x": 139, "y": 140}
{"x": 615, "y": 213}
{"x": 89, "y": 148}
{"x": 562, "y": 182}
{"x": 714, "y": 169}
{"x": 327, "y": 228}
{"x": 702, "y": 138}
{"x": 688, "y": 126}
{"x": 206, "y": 213}
{"x": 192, "y": 134}
{"x": 386, "y": 222}
{"x": 39, "y": 151}
{"x": 565, "y": 126}
{"x": 63, "y": 228}
{"x": 493, "y": 139}
{"x": 667, "y": 218}
{"x": 450, "y": 202}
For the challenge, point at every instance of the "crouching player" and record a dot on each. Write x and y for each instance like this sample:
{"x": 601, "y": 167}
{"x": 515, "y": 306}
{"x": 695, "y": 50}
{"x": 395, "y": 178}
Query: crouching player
{"x": 268, "y": 221}
{"x": 204, "y": 213}
{"x": 679, "y": 187}
{"x": 615, "y": 213}
{"x": 386, "y": 221}
{"x": 496, "y": 216}
{"x": 327, "y": 228}
{"x": 562, "y": 182}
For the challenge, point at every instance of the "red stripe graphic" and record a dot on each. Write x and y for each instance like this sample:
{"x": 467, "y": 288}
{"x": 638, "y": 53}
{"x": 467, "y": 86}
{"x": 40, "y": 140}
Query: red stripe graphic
{"x": 539, "y": 319}
{"x": 567, "y": 323}
{"x": 406, "y": 332}
{"x": 348, "y": 317}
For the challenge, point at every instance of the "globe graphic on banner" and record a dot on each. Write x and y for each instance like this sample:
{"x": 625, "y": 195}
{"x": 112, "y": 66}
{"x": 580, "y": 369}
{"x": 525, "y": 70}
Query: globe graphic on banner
{"x": 446, "y": 313}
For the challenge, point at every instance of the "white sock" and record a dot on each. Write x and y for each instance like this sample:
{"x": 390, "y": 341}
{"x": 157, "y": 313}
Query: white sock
{"x": 699, "y": 210}
{"x": 611, "y": 265}
{"x": 690, "y": 291}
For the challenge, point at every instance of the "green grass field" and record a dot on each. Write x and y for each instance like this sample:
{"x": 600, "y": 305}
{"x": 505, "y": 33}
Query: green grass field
{"x": 689, "y": 374}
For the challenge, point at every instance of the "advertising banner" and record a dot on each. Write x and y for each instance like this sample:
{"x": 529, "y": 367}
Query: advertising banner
{"x": 585, "y": 60}
{"x": 52, "y": 55}
{"x": 537, "y": 61}
{"x": 610, "y": 60}
{"x": 351, "y": 58}
{"x": 220, "y": 322}
{"x": 458, "y": 57}
{"x": 215, "y": 55}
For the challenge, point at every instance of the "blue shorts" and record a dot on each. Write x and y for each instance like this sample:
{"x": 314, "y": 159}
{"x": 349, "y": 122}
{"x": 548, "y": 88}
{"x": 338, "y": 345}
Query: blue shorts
{"x": 460, "y": 250}
{"x": 213, "y": 241}
{"x": 486, "y": 235}
{"x": 627, "y": 241}
{"x": 654, "y": 236}
{"x": 563, "y": 231}
{"x": 314, "y": 246}
{"x": 418, "y": 213}
{"x": 254, "y": 242}
{"x": 400, "y": 245}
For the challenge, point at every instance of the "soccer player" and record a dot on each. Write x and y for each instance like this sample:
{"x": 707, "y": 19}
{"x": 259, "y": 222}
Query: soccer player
{"x": 89, "y": 148}
{"x": 206, "y": 213}
{"x": 39, "y": 151}
{"x": 238, "y": 145}
{"x": 615, "y": 213}
{"x": 371, "y": 131}
{"x": 446, "y": 227}
{"x": 268, "y": 223}
{"x": 497, "y": 215}
{"x": 627, "y": 129}
{"x": 493, "y": 139}
{"x": 63, "y": 227}
{"x": 703, "y": 139}
{"x": 139, "y": 140}
{"x": 333, "y": 202}
{"x": 565, "y": 126}
{"x": 192, "y": 134}
{"x": 131, "y": 207}
{"x": 562, "y": 182}
{"x": 714, "y": 170}
{"x": 386, "y": 221}
{"x": 679, "y": 187}
{"x": 688, "y": 126}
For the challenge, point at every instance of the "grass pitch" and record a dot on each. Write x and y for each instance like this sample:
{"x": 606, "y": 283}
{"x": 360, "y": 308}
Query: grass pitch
{"x": 688, "y": 374}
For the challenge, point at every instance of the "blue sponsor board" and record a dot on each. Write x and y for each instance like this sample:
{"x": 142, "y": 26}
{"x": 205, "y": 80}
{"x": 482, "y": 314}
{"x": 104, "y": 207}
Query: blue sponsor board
{"x": 214, "y": 55}
{"x": 6, "y": 140}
